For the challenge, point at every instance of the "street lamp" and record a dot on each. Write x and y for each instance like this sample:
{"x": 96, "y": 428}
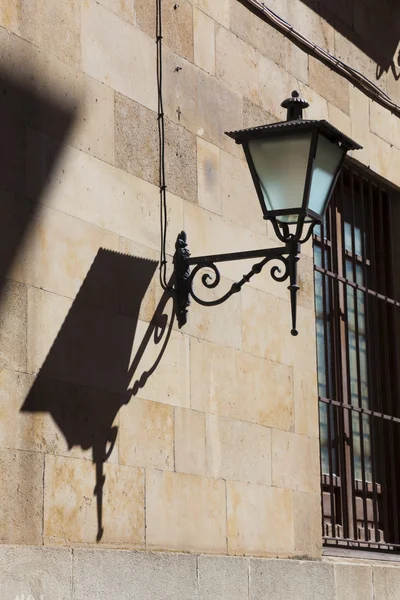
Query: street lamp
{"x": 294, "y": 165}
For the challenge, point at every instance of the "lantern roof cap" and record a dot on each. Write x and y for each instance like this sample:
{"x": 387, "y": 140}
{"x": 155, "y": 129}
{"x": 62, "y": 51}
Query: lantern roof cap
{"x": 329, "y": 130}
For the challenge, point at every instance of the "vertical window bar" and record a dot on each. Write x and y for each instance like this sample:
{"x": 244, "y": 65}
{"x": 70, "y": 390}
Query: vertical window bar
{"x": 347, "y": 414}
{"x": 395, "y": 357}
{"x": 387, "y": 407}
{"x": 358, "y": 416}
{"x": 377, "y": 345}
{"x": 370, "y": 364}
{"x": 327, "y": 407}
{"x": 337, "y": 353}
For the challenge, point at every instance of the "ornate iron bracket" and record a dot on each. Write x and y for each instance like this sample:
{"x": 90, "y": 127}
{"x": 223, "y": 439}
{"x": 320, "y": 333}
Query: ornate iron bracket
{"x": 184, "y": 276}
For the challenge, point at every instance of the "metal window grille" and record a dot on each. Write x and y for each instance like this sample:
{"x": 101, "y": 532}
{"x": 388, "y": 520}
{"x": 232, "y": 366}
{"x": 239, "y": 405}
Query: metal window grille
{"x": 357, "y": 293}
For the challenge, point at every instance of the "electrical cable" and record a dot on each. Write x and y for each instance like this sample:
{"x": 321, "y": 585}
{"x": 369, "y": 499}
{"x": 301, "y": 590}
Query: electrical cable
{"x": 351, "y": 74}
{"x": 161, "y": 135}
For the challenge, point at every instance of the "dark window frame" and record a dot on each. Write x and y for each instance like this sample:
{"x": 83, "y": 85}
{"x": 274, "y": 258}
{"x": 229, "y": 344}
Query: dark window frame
{"x": 358, "y": 328}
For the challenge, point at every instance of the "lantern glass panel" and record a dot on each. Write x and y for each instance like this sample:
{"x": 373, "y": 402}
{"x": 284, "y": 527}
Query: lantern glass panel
{"x": 326, "y": 164}
{"x": 281, "y": 166}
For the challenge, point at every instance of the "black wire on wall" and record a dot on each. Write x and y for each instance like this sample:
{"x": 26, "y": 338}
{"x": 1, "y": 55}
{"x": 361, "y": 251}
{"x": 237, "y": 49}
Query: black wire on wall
{"x": 337, "y": 65}
{"x": 161, "y": 134}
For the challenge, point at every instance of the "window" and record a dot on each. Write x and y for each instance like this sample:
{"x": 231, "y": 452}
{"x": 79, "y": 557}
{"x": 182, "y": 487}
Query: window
{"x": 357, "y": 293}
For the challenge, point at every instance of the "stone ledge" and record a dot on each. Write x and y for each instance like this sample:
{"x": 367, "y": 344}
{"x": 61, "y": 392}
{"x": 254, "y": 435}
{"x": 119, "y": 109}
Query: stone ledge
{"x": 100, "y": 574}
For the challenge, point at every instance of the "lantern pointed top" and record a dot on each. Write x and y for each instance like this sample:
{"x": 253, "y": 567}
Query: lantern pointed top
{"x": 295, "y": 105}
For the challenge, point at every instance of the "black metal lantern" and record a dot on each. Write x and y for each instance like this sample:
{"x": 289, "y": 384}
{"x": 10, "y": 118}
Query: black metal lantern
{"x": 295, "y": 165}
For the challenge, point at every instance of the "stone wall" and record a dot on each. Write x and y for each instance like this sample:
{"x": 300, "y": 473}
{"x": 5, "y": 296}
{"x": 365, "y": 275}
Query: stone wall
{"x": 82, "y": 574}
{"x": 116, "y": 428}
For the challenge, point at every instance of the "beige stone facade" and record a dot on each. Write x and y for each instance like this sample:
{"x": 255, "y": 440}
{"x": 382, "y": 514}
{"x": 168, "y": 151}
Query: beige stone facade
{"x": 117, "y": 429}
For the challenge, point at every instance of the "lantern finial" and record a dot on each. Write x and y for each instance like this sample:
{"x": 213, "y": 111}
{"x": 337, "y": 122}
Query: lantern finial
{"x": 295, "y": 106}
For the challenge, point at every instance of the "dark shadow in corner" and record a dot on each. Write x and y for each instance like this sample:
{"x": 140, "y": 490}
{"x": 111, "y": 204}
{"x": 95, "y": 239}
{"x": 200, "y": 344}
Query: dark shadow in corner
{"x": 86, "y": 377}
{"x": 23, "y": 112}
{"x": 371, "y": 25}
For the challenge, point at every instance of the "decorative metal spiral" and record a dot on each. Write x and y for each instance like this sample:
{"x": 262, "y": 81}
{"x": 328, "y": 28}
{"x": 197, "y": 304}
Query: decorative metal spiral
{"x": 211, "y": 281}
{"x": 278, "y": 273}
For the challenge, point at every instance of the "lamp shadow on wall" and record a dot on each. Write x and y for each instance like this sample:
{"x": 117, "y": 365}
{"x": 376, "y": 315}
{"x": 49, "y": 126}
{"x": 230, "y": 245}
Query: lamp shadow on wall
{"x": 373, "y": 27}
{"x": 91, "y": 370}
{"x": 24, "y": 107}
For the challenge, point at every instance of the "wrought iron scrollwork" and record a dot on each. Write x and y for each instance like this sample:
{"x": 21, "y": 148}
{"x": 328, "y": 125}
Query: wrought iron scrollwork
{"x": 186, "y": 279}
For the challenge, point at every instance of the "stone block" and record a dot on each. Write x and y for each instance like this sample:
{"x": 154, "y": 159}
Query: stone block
{"x": 209, "y": 176}
{"x": 240, "y": 202}
{"x": 96, "y": 192}
{"x": 223, "y": 578}
{"x": 93, "y": 130}
{"x": 307, "y": 525}
{"x": 339, "y": 119}
{"x": 54, "y": 28}
{"x": 349, "y": 52}
{"x": 305, "y": 276}
{"x": 386, "y": 581}
{"x": 178, "y": 27}
{"x": 177, "y": 24}
{"x": 276, "y": 343}
{"x": 306, "y": 403}
{"x": 257, "y": 32}
{"x": 237, "y": 64}
{"x": 219, "y": 109}
{"x": 122, "y": 8}
{"x": 185, "y": 512}
{"x": 384, "y": 159}
{"x": 190, "y": 441}
{"x": 360, "y": 123}
{"x": 318, "y": 108}
{"x": 254, "y": 115}
{"x": 146, "y": 17}
{"x": 21, "y": 497}
{"x": 354, "y": 581}
{"x": 36, "y": 573}
{"x": 13, "y": 322}
{"x": 159, "y": 366}
{"x": 283, "y": 579}
{"x": 104, "y": 574}
{"x": 59, "y": 251}
{"x": 295, "y": 461}
{"x": 384, "y": 123}
{"x": 392, "y": 89}
{"x": 154, "y": 368}
{"x": 252, "y": 389}
{"x": 296, "y": 61}
{"x": 180, "y": 161}
{"x": 329, "y": 84}
{"x": 70, "y": 512}
{"x": 275, "y": 84}
{"x": 220, "y": 324}
{"x": 180, "y": 90}
{"x": 238, "y": 451}
{"x": 148, "y": 304}
{"x": 136, "y": 139}
{"x": 58, "y": 100}
{"x": 204, "y": 41}
{"x": 260, "y": 520}
{"x": 146, "y": 435}
{"x": 217, "y": 9}
{"x": 18, "y": 430}
{"x": 107, "y": 41}
{"x": 24, "y": 427}
{"x": 208, "y": 233}
{"x": 308, "y": 21}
